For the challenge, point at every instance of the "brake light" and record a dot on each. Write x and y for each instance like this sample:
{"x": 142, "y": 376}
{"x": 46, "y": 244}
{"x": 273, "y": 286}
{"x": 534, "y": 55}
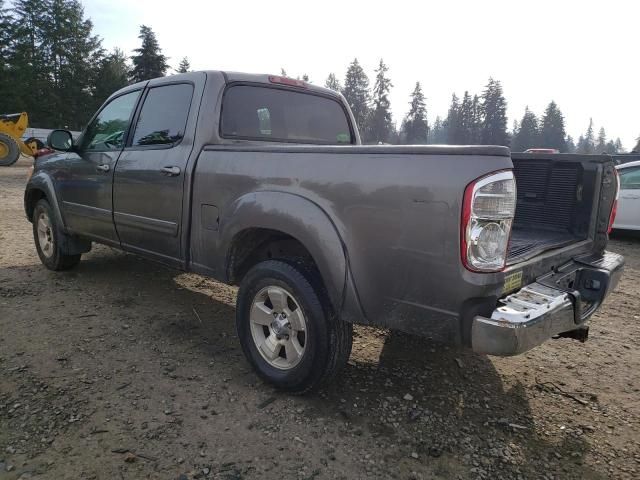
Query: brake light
{"x": 614, "y": 207}
{"x": 488, "y": 210}
{"x": 292, "y": 82}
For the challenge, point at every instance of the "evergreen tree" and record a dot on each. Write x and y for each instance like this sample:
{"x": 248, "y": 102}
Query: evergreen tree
{"x": 283, "y": 72}
{"x": 148, "y": 62}
{"x": 570, "y": 146}
{"x": 552, "y": 131}
{"x": 619, "y": 147}
{"x": 636, "y": 149}
{"x": 305, "y": 78}
{"x": 452, "y": 122}
{"x": 415, "y": 128}
{"x": 184, "y": 66}
{"x": 438, "y": 134}
{"x": 586, "y": 143}
{"x": 601, "y": 145}
{"x": 467, "y": 120}
{"x": 333, "y": 83}
{"x": 380, "y": 124}
{"x": 53, "y": 61}
{"x": 476, "y": 124}
{"x": 494, "y": 109}
{"x": 356, "y": 92}
{"x": 528, "y": 133}
{"x": 112, "y": 75}
{"x": 5, "y": 53}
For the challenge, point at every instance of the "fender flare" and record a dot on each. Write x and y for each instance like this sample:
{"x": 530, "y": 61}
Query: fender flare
{"x": 41, "y": 181}
{"x": 300, "y": 218}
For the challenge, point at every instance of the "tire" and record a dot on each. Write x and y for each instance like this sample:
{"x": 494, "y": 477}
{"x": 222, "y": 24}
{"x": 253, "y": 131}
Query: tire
{"x": 9, "y": 150}
{"x": 325, "y": 339}
{"x": 48, "y": 239}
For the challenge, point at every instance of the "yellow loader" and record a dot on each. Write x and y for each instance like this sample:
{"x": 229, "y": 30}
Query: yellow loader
{"x": 12, "y": 127}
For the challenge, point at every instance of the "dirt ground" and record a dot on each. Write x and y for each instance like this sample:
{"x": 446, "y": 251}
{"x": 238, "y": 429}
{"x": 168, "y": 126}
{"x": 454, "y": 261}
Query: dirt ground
{"x": 124, "y": 369}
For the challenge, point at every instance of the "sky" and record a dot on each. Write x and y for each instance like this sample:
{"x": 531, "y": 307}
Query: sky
{"x": 582, "y": 54}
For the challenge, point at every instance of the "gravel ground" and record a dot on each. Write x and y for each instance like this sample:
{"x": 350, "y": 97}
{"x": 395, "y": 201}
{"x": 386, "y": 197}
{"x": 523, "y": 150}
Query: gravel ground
{"x": 124, "y": 369}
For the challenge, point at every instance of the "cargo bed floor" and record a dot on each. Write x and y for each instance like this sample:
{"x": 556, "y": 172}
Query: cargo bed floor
{"x": 526, "y": 242}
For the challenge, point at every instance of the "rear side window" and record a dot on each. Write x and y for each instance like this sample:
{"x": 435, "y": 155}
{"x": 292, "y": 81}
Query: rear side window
{"x": 277, "y": 115}
{"x": 163, "y": 117}
{"x": 629, "y": 178}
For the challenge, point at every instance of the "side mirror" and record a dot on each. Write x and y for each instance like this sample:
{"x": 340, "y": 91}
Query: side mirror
{"x": 60, "y": 140}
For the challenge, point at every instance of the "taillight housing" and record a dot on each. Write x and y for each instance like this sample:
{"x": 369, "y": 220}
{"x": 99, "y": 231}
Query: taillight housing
{"x": 614, "y": 206}
{"x": 488, "y": 210}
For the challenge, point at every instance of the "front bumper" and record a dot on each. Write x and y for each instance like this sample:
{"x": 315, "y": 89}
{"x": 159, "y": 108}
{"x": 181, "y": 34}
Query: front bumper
{"x": 559, "y": 302}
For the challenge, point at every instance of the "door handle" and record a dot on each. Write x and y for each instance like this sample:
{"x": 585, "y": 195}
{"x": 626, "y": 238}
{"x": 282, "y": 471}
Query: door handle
{"x": 170, "y": 171}
{"x": 103, "y": 168}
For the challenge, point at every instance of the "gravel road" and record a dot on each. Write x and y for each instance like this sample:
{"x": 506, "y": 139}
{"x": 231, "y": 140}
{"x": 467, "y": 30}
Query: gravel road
{"x": 124, "y": 369}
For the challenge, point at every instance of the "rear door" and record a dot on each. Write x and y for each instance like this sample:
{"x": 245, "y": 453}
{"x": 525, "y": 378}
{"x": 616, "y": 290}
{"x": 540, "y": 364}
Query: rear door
{"x": 149, "y": 177}
{"x": 85, "y": 183}
{"x": 628, "y": 216}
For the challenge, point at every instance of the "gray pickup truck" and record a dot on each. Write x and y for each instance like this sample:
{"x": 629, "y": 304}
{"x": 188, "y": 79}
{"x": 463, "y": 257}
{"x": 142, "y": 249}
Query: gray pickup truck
{"x": 261, "y": 181}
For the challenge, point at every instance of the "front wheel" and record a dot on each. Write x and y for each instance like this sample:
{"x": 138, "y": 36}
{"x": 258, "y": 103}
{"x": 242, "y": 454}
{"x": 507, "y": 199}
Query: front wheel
{"x": 286, "y": 328}
{"x": 48, "y": 237}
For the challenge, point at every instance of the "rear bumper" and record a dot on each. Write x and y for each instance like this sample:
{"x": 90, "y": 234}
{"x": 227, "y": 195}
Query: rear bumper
{"x": 556, "y": 303}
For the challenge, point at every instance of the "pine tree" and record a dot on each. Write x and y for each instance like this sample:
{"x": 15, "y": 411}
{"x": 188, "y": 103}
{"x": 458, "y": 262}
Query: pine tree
{"x": 305, "y": 78}
{"x": 438, "y": 134}
{"x": 494, "y": 109}
{"x": 528, "y": 133}
{"x": 356, "y": 92}
{"x": 601, "y": 145}
{"x": 333, "y": 83}
{"x": 466, "y": 120}
{"x": 452, "y": 122}
{"x": 5, "y": 53}
{"x": 148, "y": 62}
{"x": 588, "y": 141}
{"x": 380, "y": 124}
{"x": 636, "y": 149}
{"x": 53, "y": 62}
{"x": 283, "y": 72}
{"x": 415, "y": 128}
{"x": 113, "y": 74}
{"x": 552, "y": 131}
{"x": 476, "y": 125}
{"x": 570, "y": 146}
{"x": 184, "y": 66}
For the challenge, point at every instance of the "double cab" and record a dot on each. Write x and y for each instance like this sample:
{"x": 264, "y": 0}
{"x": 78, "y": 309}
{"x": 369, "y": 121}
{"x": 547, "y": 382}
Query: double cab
{"x": 262, "y": 181}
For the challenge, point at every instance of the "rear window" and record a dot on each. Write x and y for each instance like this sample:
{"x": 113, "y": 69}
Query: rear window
{"x": 277, "y": 115}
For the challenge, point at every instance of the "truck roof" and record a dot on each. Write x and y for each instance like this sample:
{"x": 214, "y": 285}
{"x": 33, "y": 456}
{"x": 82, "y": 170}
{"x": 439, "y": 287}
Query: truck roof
{"x": 231, "y": 77}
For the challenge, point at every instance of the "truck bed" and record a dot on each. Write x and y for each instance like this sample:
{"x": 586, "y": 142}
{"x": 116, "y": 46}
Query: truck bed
{"x": 554, "y": 203}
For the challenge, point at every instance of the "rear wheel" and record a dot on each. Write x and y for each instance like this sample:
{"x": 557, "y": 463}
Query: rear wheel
{"x": 9, "y": 150}
{"x": 48, "y": 239}
{"x": 286, "y": 328}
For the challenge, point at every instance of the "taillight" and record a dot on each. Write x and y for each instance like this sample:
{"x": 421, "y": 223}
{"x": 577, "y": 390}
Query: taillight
{"x": 614, "y": 207}
{"x": 488, "y": 209}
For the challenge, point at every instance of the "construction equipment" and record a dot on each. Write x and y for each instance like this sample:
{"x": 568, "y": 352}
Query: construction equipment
{"x": 12, "y": 127}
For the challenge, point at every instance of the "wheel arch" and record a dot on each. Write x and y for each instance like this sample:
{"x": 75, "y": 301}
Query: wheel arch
{"x": 266, "y": 222}
{"x": 41, "y": 186}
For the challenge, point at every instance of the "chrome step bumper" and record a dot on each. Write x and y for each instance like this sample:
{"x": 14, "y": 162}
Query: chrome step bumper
{"x": 547, "y": 307}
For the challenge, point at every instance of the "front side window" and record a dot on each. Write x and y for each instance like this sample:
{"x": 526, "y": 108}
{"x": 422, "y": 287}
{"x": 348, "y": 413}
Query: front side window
{"x": 107, "y": 130}
{"x": 163, "y": 117}
{"x": 629, "y": 178}
{"x": 278, "y": 115}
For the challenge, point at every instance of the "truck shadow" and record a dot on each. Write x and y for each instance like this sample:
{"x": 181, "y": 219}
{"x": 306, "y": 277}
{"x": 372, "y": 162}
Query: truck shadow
{"x": 451, "y": 407}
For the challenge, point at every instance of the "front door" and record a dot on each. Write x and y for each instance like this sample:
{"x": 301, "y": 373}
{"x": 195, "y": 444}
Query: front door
{"x": 628, "y": 215}
{"x": 86, "y": 181}
{"x": 149, "y": 177}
